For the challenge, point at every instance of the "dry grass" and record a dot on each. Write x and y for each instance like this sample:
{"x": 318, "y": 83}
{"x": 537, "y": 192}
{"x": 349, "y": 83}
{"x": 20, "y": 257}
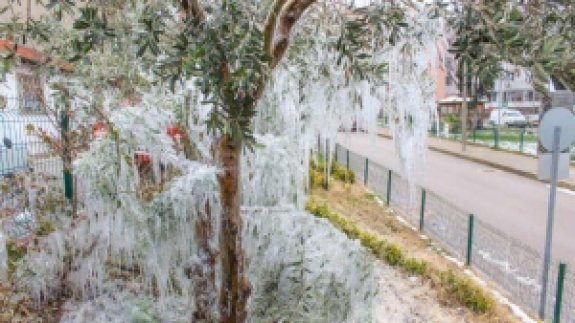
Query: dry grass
{"x": 452, "y": 287}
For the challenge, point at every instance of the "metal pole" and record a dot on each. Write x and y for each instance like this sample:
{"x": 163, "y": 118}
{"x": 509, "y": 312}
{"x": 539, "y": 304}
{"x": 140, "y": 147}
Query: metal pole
{"x": 464, "y": 109}
{"x": 559, "y": 295}
{"x": 550, "y": 218}
{"x": 347, "y": 159}
{"x": 522, "y": 140}
{"x": 66, "y": 160}
{"x": 366, "y": 173}
{"x": 327, "y": 165}
{"x": 422, "y": 210}
{"x": 335, "y": 153}
{"x": 389, "y": 173}
{"x": 470, "y": 239}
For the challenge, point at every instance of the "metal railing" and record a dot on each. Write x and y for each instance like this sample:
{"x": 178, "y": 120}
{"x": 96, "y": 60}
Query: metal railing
{"x": 30, "y": 170}
{"x": 503, "y": 259}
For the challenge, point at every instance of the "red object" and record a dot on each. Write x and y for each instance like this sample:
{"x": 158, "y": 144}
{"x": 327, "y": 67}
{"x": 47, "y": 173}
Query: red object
{"x": 99, "y": 129}
{"x": 174, "y": 132}
{"x": 32, "y": 55}
{"x": 142, "y": 158}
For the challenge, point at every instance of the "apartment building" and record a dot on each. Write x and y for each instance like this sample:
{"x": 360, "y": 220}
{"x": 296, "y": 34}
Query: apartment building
{"x": 514, "y": 90}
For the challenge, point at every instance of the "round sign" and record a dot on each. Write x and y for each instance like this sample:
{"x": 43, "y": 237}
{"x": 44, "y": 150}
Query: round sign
{"x": 557, "y": 117}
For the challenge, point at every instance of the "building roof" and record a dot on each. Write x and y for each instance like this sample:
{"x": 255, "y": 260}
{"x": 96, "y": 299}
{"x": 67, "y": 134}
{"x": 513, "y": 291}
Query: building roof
{"x": 33, "y": 55}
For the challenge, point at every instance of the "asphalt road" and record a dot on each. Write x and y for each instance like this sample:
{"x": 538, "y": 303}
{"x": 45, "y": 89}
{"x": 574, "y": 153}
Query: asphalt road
{"x": 512, "y": 203}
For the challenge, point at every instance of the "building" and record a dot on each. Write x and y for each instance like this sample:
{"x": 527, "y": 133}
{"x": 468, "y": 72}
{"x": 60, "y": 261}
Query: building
{"x": 449, "y": 98}
{"x": 514, "y": 90}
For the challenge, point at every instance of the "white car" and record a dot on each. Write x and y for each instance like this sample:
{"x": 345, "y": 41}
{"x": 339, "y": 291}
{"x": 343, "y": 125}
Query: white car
{"x": 507, "y": 117}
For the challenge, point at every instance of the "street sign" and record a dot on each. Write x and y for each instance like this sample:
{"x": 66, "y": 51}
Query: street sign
{"x": 556, "y": 134}
{"x": 557, "y": 117}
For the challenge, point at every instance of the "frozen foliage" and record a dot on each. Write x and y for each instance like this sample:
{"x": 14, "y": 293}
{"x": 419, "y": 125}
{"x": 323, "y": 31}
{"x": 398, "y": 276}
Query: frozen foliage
{"x": 133, "y": 252}
{"x": 411, "y": 103}
{"x": 3, "y": 257}
{"x": 303, "y": 270}
{"x": 118, "y": 233}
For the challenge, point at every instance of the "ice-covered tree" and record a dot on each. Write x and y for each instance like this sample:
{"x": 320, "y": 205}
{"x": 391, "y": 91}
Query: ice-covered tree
{"x": 252, "y": 72}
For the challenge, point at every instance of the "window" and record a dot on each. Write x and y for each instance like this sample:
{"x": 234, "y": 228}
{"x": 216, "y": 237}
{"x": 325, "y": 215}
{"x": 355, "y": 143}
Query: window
{"x": 530, "y": 96}
{"x": 30, "y": 93}
{"x": 528, "y": 76}
{"x": 449, "y": 80}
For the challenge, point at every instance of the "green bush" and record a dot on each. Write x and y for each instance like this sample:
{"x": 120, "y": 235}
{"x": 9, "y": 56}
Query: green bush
{"x": 466, "y": 292}
{"x": 454, "y": 123}
{"x": 316, "y": 178}
{"x": 414, "y": 266}
{"x": 392, "y": 254}
{"x": 336, "y": 171}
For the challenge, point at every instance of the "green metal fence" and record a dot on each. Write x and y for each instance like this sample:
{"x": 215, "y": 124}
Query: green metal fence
{"x": 523, "y": 140}
{"x": 28, "y": 164}
{"x": 503, "y": 259}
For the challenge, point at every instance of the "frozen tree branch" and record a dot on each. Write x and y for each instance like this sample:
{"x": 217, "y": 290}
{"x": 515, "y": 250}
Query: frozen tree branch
{"x": 195, "y": 8}
{"x": 271, "y": 23}
{"x": 291, "y": 12}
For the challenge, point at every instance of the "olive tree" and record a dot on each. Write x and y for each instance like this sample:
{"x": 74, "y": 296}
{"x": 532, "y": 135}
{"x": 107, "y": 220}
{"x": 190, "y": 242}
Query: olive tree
{"x": 229, "y": 50}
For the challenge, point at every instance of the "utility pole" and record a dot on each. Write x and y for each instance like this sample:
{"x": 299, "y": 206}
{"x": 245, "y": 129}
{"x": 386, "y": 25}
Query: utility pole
{"x": 464, "y": 109}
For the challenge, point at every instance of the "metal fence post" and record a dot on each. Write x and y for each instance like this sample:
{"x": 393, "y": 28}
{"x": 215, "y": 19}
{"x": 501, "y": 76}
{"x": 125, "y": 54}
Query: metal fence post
{"x": 67, "y": 174}
{"x": 474, "y": 135}
{"x": 559, "y": 297}
{"x": 522, "y": 137}
{"x": 335, "y": 153}
{"x": 326, "y": 166}
{"x": 496, "y": 138}
{"x": 389, "y": 173}
{"x": 366, "y": 173}
{"x": 347, "y": 159}
{"x": 422, "y": 210}
{"x": 470, "y": 239}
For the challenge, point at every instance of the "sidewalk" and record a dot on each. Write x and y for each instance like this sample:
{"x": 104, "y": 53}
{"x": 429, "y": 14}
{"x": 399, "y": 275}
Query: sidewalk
{"x": 512, "y": 162}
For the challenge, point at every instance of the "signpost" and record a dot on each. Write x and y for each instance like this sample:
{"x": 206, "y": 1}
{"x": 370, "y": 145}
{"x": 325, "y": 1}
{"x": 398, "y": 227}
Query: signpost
{"x": 556, "y": 134}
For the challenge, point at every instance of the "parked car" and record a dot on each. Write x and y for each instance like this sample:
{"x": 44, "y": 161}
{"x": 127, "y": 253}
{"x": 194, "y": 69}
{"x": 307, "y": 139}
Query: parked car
{"x": 532, "y": 120}
{"x": 508, "y": 118}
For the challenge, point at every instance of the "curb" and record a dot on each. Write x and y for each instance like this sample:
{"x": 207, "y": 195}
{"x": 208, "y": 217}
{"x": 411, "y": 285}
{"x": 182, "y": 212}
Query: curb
{"x": 562, "y": 184}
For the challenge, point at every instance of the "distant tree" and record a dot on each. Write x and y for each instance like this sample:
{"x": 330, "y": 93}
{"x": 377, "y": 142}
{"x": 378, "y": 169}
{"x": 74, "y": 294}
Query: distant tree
{"x": 538, "y": 35}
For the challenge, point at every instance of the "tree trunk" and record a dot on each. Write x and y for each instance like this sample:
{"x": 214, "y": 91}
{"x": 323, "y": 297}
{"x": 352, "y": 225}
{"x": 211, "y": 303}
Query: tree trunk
{"x": 203, "y": 273}
{"x": 235, "y": 289}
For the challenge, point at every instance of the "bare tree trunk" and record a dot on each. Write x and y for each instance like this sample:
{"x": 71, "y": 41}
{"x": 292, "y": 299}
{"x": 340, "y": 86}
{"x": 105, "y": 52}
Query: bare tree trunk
{"x": 235, "y": 289}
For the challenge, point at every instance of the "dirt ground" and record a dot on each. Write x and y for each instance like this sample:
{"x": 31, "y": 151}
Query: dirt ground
{"x": 355, "y": 202}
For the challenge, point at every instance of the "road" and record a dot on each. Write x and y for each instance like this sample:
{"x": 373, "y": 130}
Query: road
{"x": 514, "y": 204}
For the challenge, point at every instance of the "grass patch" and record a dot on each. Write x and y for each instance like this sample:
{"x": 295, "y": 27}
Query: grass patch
{"x": 465, "y": 291}
{"x": 455, "y": 287}
{"x": 415, "y": 267}
{"x": 337, "y": 171}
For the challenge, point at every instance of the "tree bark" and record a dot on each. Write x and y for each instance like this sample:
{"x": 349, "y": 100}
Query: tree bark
{"x": 235, "y": 289}
{"x": 203, "y": 272}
